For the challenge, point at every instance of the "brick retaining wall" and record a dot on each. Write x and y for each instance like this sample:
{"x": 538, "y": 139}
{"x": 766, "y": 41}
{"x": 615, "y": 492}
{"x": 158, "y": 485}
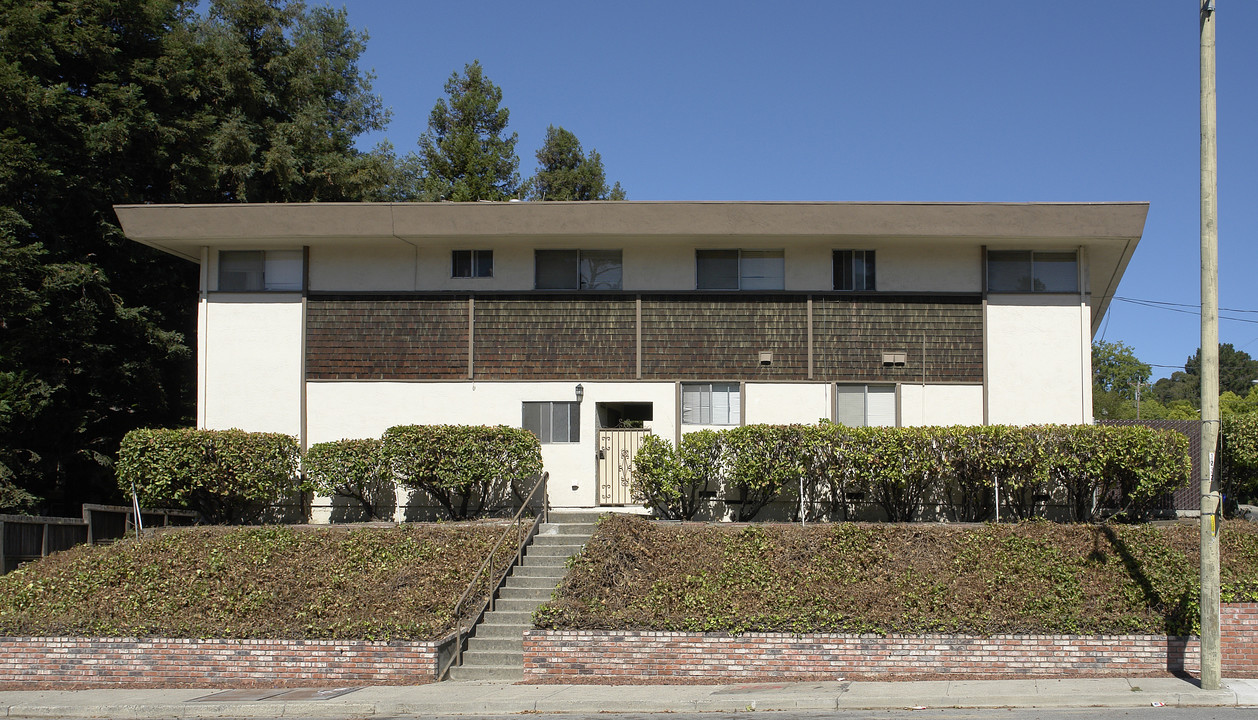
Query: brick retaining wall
{"x": 572, "y": 654}
{"x": 129, "y": 661}
{"x": 1238, "y": 623}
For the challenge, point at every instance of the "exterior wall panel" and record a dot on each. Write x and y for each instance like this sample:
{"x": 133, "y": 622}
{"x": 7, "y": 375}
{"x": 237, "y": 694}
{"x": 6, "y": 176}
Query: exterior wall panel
{"x": 554, "y": 337}
{"x": 851, "y": 333}
{"x": 386, "y": 338}
{"x": 720, "y": 337}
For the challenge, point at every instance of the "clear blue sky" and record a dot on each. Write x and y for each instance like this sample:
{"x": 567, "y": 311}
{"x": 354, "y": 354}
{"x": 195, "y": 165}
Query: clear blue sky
{"x": 912, "y": 100}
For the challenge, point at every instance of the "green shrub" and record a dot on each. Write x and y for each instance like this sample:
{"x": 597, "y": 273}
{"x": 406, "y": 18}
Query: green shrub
{"x": 467, "y": 469}
{"x": 669, "y": 480}
{"x": 1239, "y": 448}
{"x": 352, "y": 469}
{"x": 762, "y": 460}
{"x": 223, "y": 474}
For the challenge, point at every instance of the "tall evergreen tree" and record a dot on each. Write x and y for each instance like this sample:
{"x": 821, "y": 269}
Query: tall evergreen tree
{"x": 132, "y": 101}
{"x": 465, "y": 154}
{"x": 565, "y": 172}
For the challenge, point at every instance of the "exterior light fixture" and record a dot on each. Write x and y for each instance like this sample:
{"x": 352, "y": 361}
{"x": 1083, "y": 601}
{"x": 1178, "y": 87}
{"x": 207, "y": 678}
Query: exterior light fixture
{"x": 580, "y": 392}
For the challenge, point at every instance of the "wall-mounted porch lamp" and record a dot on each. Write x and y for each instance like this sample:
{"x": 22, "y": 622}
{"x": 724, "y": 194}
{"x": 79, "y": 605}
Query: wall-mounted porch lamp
{"x": 580, "y": 392}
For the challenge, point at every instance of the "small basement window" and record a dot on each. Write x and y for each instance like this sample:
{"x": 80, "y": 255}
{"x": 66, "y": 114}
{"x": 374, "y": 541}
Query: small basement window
{"x": 260, "y": 270}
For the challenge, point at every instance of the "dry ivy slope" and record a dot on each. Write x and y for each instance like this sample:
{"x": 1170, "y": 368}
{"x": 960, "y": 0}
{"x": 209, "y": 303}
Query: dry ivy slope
{"x": 1027, "y": 578}
{"x": 277, "y": 582}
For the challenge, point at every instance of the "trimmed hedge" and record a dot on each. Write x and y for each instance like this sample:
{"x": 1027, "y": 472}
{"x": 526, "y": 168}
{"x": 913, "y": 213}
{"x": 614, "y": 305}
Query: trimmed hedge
{"x": 220, "y": 473}
{"x": 353, "y": 469}
{"x": 1240, "y": 456}
{"x": 468, "y": 469}
{"x": 1089, "y": 468}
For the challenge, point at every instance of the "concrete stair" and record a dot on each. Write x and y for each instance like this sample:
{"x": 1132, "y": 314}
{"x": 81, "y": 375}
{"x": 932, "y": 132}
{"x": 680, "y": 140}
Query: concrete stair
{"x": 495, "y": 650}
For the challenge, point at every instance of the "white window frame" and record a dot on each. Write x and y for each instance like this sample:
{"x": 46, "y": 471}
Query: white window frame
{"x": 272, "y": 271}
{"x": 1034, "y": 277}
{"x": 864, "y": 282}
{"x": 474, "y": 267}
{"x": 880, "y": 390}
{"x": 545, "y": 425}
{"x": 711, "y": 403}
{"x": 743, "y": 280}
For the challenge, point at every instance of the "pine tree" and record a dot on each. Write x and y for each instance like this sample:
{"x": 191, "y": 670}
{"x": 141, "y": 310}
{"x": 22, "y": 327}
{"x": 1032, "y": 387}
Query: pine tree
{"x": 565, "y": 172}
{"x": 465, "y": 154}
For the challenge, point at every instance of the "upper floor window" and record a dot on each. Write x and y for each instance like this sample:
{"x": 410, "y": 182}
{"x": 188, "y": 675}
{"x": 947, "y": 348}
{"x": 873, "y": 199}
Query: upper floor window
{"x": 260, "y": 270}
{"x": 865, "y": 405}
{"x": 740, "y": 270}
{"x": 1028, "y": 271}
{"x": 578, "y": 269}
{"x": 553, "y": 422}
{"x": 710, "y": 404}
{"x": 472, "y": 263}
{"x": 854, "y": 270}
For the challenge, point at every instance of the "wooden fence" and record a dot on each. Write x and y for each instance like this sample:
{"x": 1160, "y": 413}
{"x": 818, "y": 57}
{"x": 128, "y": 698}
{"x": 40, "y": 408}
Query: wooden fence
{"x": 29, "y": 537}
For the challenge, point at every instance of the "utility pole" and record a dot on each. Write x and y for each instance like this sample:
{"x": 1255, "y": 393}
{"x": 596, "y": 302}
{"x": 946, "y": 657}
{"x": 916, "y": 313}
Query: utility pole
{"x": 1211, "y": 655}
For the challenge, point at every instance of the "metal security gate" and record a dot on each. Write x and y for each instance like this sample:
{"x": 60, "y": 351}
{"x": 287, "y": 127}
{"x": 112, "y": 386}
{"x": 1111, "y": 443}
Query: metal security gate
{"x": 616, "y": 448}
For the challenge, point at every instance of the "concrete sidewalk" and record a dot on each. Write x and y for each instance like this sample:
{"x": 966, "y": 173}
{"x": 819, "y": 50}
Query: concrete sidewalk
{"x": 481, "y": 697}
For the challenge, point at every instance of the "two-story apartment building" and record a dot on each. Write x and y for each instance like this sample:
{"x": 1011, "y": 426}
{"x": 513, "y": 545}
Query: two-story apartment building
{"x": 572, "y": 319}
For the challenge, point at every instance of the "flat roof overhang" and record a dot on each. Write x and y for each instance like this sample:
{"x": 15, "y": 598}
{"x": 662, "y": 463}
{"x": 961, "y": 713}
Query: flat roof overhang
{"x": 1109, "y": 231}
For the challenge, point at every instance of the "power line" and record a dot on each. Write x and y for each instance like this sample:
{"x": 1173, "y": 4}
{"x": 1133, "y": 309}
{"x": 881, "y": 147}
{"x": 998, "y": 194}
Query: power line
{"x": 1175, "y": 307}
{"x": 1164, "y": 302}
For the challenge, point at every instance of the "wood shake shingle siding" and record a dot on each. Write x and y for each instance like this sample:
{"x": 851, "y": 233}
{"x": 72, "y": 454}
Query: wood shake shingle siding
{"x": 720, "y": 337}
{"x": 685, "y": 336}
{"x": 386, "y": 338}
{"x": 850, "y": 334}
{"x": 538, "y": 338}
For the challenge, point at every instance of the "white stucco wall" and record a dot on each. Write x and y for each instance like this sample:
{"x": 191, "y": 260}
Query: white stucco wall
{"x": 366, "y": 409}
{"x": 649, "y": 265}
{"x": 941, "y": 404}
{"x": 251, "y": 345}
{"x": 364, "y": 266}
{"x": 1038, "y": 359}
{"x": 786, "y": 403}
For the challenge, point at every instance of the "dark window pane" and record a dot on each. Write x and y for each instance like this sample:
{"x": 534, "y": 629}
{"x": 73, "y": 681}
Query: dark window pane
{"x": 556, "y": 269}
{"x": 461, "y": 263}
{"x": 601, "y": 269}
{"x": 1009, "y": 271}
{"x": 842, "y": 269}
{"x": 1056, "y": 272}
{"x": 484, "y": 263}
{"x": 869, "y": 271}
{"x": 241, "y": 270}
{"x": 716, "y": 269}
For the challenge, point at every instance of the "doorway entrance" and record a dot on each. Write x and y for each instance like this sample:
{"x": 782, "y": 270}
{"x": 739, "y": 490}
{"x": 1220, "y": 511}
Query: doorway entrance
{"x": 622, "y": 428}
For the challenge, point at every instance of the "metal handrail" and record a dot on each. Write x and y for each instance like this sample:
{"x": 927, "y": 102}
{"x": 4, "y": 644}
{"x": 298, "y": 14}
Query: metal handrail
{"x": 521, "y": 540}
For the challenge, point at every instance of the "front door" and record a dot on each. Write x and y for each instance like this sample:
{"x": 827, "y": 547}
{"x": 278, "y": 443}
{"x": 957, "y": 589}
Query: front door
{"x": 616, "y": 448}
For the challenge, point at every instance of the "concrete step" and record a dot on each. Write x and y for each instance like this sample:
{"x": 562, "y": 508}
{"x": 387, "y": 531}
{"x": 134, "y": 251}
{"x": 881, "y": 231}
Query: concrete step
{"x": 570, "y": 539}
{"x": 550, "y": 562}
{"x": 510, "y": 617}
{"x": 555, "y": 570}
{"x": 538, "y": 595}
{"x": 536, "y": 583}
{"x": 518, "y": 604}
{"x": 492, "y": 630}
{"x": 496, "y": 644}
{"x": 502, "y": 674}
{"x": 564, "y": 517}
{"x": 565, "y": 528}
{"x": 498, "y": 658}
{"x": 564, "y": 551}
